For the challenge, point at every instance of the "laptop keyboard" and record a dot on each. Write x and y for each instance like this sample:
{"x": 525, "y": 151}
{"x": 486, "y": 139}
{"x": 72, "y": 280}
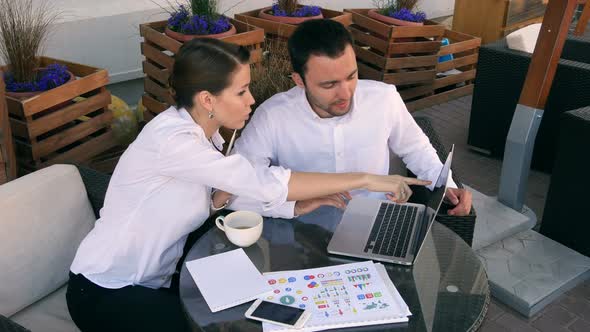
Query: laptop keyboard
{"x": 390, "y": 233}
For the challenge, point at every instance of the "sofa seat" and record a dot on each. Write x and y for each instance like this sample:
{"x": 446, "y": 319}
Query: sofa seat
{"x": 50, "y": 314}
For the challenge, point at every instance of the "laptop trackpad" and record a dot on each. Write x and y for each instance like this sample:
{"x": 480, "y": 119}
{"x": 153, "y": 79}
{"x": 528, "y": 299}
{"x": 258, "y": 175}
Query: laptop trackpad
{"x": 354, "y": 229}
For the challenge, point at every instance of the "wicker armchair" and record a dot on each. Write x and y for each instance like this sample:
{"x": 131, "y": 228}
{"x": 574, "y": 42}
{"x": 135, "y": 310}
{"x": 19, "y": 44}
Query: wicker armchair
{"x": 462, "y": 226}
{"x": 564, "y": 218}
{"x": 500, "y": 77}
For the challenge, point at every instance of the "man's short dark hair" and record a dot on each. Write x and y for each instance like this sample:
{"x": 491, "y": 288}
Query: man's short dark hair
{"x": 321, "y": 37}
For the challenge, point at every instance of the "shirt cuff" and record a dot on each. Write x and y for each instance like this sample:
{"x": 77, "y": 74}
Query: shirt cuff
{"x": 282, "y": 175}
{"x": 285, "y": 210}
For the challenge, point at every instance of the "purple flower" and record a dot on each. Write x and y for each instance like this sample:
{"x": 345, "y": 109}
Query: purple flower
{"x": 196, "y": 25}
{"x": 178, "y": 18}
{"x": 51, "y": 77}
{"x": 304, "y": 11}
{"x": 182, "y": 21}
{"x": 407, "y": 15}
{"x": 277, "y": 11}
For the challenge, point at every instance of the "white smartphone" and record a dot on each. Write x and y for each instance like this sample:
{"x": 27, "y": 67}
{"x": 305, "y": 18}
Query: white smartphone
{"x": 279, "y": 314}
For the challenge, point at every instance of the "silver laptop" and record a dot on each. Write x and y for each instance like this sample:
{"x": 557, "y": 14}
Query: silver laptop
{"x": 386, "y": 231}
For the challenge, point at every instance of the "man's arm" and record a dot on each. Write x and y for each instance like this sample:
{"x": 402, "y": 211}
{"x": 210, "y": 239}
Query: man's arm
{"x": 408, "y": 141}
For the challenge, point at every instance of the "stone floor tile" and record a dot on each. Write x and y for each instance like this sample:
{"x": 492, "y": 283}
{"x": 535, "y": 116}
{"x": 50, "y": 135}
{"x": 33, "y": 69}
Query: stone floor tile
{"x": 576, "y": 305}
{"x": 494, "y": 311}
{"x": 491, "y": 326}
{"x": 515, "y": 322}
{"x": 555, "y": 319}
{"x": 580, "y": 325}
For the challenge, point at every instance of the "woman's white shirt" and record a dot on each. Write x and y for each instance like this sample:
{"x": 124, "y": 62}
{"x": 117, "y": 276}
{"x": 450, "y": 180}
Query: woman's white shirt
{"x": 160, "y": 191}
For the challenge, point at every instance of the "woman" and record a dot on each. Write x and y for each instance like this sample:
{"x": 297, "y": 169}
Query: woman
{"x": 161, "y": 191}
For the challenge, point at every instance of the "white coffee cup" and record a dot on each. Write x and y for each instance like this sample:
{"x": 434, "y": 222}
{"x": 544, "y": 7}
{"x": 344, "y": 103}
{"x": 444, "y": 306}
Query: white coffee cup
{"x": 242, "y": 228}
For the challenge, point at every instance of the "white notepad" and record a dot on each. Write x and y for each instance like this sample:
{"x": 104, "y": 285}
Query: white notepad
{"x": 228, "y": 279}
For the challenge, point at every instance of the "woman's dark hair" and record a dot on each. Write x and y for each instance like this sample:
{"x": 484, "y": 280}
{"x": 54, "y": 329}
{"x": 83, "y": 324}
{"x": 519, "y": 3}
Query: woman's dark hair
{"x": 204, "y": 64}
{"x": 323, "y": 37}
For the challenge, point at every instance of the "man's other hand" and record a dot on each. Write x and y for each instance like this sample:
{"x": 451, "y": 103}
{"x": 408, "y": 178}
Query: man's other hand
{"x": 309, "y": 205}
{"x": 462, "y": 200}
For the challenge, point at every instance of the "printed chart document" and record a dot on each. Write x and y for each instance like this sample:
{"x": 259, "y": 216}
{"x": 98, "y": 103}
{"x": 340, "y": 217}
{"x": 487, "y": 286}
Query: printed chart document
{"x": 348, "y": 295}
{"x": 216, "y": 278}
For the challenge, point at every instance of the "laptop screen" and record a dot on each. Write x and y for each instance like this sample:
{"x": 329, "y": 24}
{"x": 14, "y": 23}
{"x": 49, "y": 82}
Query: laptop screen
{"x": 438, "y": 192}
{"x": 436, "y": 197}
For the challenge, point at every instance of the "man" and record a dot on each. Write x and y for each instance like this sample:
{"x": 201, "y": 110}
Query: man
{"x": 334, "y": 122}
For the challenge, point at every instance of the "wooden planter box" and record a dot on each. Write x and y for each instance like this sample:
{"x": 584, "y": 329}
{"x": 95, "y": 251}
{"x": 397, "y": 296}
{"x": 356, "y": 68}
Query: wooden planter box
{"x": 7, "y": 159}
{"x": 159, "y": 50}
{"x": 282, "y": 30}
{"x": 51, "y": 128}
{"x": 401, "y": 55}
{"x": 465, "y": 51}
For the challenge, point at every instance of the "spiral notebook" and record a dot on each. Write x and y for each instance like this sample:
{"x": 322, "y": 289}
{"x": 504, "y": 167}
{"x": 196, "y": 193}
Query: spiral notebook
{"x": 228, "y": 279}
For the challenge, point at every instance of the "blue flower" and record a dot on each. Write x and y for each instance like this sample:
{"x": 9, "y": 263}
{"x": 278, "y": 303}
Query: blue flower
{"x": 178, "y": 18}
{"x": 50, "y": 77}
{"x": 220, "y": 25}
{"x": 277, "y": 11}
{"x": 407, "y": 15}
{"x": 304, "y": 11}
{"x": 182, "y": 21}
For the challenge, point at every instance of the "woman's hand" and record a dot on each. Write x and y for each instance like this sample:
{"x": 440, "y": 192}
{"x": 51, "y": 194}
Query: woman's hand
{"x": 397, "y": 186}
{"x": 220, "y": 199}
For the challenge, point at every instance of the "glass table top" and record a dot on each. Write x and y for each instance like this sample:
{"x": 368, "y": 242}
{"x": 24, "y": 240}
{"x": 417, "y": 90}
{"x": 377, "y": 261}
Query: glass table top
{"x": 446, "y": 289}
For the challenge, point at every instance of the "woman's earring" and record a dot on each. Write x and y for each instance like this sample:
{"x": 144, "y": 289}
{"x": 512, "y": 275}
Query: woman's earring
{"x": 211, "y": 115}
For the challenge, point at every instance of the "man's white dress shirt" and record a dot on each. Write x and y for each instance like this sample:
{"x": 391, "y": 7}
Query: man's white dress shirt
{"x": 159, "y": 193}
{"x": 285, "y": 131}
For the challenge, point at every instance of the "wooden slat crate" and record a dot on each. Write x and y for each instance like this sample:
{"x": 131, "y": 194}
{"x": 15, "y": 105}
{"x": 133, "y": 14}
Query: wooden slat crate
{"x": 402, "y": 55}
{"x": 465, "y": 51}
{"x": 7, "y": 159}
{"x": 159, "y": 50}
{"x": 275, "y": 29}
{"x": 58, "y": 127}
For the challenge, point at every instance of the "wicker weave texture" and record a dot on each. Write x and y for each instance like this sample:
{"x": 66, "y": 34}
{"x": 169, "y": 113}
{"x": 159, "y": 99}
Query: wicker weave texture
{"x": 464, "y": 226}
{"x": 499, "y": 81}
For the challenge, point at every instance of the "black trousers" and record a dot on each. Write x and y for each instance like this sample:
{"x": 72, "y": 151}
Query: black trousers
{"x": 131, "y": 308}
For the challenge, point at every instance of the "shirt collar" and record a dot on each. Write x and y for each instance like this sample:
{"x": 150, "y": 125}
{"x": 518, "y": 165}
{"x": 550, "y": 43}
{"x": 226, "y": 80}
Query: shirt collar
{"x": 309, "y": 111}
{"x": 216, "y": 139}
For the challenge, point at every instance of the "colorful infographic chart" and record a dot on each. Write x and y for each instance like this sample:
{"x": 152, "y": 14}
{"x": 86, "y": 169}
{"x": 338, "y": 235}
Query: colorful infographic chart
{"x": 341, "y": 295}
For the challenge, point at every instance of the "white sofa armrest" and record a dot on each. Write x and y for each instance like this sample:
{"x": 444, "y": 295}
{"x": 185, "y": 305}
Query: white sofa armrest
{"x": 43, "y": 218}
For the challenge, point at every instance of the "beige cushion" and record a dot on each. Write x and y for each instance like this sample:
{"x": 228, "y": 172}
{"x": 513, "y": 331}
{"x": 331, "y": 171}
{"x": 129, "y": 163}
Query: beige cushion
{"x": 49, "y": 314}
{"x": 43, "y": 218}
{"x": 524, "y": 39}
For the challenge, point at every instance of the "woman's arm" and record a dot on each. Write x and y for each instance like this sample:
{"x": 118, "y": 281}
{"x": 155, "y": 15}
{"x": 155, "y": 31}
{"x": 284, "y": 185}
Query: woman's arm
{"x": 304, "y": 186}
{"x": 311, "y": 185}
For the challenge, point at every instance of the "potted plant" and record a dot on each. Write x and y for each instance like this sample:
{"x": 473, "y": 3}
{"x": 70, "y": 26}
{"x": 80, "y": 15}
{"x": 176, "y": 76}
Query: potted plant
{"x": 397, "y": 12}
{"x": 273, "y": 75}
{"x": 281, "y": 19}
{"x": 290, "y": 12}
{"x": 48, "y": 126}
{"x": 23, "y": 29}
{"x": 197, "y": 19}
